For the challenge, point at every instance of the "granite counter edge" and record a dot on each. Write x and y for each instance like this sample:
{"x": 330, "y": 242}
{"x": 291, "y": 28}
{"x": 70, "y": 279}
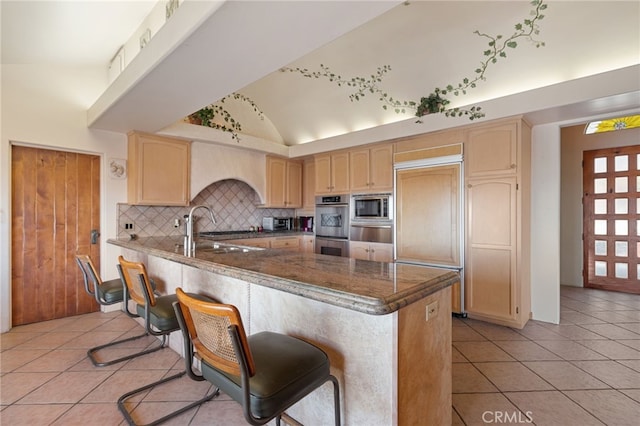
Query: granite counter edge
{"x": 354, "y": 302}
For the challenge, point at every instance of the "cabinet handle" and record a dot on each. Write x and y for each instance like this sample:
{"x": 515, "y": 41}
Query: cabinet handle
{"x": 513, "y": 166}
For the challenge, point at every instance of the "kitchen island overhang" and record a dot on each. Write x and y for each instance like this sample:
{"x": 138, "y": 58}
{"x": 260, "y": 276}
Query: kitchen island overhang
{"x": 394, "y": 365}
{"x": 375, "y": 288}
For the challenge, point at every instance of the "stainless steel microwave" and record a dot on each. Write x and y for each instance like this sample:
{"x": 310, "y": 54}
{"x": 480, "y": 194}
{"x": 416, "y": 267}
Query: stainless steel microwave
{"x": 371, "y": 207}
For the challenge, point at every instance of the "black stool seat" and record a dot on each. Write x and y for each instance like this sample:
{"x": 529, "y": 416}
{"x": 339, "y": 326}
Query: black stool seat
{"x": 163, "y": 317}
{"x": 287, "y": 370}
{"x": 111, "y": 291}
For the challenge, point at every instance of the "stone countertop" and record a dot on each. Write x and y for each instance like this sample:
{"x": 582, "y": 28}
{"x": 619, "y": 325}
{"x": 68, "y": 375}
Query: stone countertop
{"x": 375, "y": 288}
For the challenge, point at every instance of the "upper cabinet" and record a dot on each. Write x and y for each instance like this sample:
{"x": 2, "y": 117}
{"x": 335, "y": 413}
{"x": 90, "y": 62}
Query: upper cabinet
{"x": 159, "y": 170}
{"x": 284, "y": 183}
{"x": 492, "y": 150}
{"x": 309, "y": 186}
{"x": 332, "y": 173}
{"x": 371, "y": 169}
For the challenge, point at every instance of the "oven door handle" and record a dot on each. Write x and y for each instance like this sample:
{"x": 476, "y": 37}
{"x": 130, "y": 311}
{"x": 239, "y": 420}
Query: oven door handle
{"x": 357, "y": 225}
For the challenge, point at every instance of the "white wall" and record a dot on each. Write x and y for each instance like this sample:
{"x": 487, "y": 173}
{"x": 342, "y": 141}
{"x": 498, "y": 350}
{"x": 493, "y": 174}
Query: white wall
{"x": 545, "y": 223}
{"x": 45, "y": 105}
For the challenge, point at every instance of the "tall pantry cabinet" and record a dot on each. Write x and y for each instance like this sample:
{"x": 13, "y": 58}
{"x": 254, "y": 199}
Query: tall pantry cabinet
{"x": 497, "y": 244}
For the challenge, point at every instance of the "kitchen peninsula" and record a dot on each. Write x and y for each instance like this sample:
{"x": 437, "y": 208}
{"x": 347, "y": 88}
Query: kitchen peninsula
{"x": 386, "y": 327}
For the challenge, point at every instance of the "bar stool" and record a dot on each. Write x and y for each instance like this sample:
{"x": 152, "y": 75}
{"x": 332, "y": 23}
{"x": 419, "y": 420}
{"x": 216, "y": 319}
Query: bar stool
{"x": 160, "y": 320}
{"x": 265, "y": 372}
{"x": 106, "y": 293}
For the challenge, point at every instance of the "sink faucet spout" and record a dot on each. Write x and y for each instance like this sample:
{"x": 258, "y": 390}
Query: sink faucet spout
{"x": 189, "y": 245}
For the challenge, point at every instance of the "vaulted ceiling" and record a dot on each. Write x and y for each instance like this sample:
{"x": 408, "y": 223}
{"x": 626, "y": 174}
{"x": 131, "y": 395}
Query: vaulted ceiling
{"x": 211, "y": 49}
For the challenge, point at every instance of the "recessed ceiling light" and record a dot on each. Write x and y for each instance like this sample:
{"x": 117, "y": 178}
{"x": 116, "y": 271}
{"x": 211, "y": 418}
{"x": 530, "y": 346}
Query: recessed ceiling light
{"x": 612, "y": 124}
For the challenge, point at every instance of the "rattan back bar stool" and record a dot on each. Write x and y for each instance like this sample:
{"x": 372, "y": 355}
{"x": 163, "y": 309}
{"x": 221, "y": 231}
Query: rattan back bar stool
{"x": 266, "y": 372}
{"x": 160, "y": 320}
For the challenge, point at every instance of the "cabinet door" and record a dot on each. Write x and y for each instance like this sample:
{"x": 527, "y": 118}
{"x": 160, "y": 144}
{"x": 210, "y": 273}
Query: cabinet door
{"x": 159, "y": 170}
{"x": 381, "y": 252}
{"x": 359, "y": 170}
{"x": 428, "y": 218}
{"x": 308, "y": 244}
{"x": 492, "y": 150}
{"x": 340, "y": 172}
{"x": 490, "y": 273}
{"x": 381, "y": 167}
{"x": 359, "y": 250}
{"x": 293, "y": 197}
{"x": 289, "y": 243}
{"x": 323, "y": 174}
{"x": 251, "y": 242}
{"x": 276, "y": 182}
{"x": 309, "y": 185}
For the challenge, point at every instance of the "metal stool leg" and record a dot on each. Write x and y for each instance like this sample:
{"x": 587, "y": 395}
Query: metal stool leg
{"x": 127, "y": 415}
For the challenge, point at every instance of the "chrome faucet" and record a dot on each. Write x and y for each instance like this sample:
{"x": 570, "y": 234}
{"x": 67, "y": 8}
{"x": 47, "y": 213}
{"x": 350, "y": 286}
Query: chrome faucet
{"x": 189, "y": 243}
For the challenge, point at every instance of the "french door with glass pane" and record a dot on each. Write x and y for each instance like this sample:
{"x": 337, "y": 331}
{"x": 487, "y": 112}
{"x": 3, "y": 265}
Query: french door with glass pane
{"x": 611, "y": 206}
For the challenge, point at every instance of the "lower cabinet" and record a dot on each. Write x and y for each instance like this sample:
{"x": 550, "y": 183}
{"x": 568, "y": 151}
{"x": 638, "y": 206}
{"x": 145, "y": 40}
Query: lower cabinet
{"x": 287, "y": 243}
{"x": 379, "y": 252}
{"x": 251, "y": 242}
{"x": 308, "y": 244}
{"x": 293, "y": 242}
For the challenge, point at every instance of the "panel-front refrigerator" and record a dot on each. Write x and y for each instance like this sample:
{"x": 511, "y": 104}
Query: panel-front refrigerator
{"x": 429, "y": 216}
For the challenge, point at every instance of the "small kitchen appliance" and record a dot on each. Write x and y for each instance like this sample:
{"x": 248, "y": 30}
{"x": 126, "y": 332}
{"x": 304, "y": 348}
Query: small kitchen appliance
{"x": 371, "y": 207}
{"x": 305, "y": 223}
{"x": 277, "y": 223}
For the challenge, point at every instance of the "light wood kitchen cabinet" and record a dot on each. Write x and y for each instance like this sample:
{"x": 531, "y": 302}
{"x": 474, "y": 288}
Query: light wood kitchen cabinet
{"x": 379, "y": 252}
{"x": 371, "y": 169}
{"x": 492, "y": 150}
{"x": 159, "y": 170}
{"x": 288, "y": 243}
{"x": 284, "y": 183}
{"x": 308, "y": 244}
{"x": 309, "y": 187}
{"x": 251, "y": 242}
{"x": 332, "y": 173}
{"x": 497, "y": 243}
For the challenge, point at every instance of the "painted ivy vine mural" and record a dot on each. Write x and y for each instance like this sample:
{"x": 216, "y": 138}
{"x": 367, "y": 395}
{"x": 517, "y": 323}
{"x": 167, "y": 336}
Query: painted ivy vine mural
{"x": 435, "y": 102}
{"x": 206, "y": 115}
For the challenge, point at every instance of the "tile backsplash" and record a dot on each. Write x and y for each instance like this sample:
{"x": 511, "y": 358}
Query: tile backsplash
{"x": 234, "y": 204}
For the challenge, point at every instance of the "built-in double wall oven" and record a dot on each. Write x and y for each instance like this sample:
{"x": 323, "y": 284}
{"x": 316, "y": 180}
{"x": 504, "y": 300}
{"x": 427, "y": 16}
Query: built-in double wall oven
{"x": 332, "y": 225}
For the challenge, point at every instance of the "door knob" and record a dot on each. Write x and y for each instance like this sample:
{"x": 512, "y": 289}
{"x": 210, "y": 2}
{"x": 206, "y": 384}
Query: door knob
{"x": 95, "y": 234}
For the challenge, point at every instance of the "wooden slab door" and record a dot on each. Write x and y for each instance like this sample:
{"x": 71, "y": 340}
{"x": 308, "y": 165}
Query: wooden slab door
{"x": 55, "y": 209}
{"x": 611, "y": 207}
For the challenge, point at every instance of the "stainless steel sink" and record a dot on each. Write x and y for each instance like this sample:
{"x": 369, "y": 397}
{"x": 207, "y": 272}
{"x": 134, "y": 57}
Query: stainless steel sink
{"x": 220, "y": 248}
